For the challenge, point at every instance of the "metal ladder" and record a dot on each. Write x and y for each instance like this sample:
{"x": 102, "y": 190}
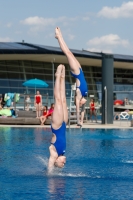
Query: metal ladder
{"x": 72, "y": 107}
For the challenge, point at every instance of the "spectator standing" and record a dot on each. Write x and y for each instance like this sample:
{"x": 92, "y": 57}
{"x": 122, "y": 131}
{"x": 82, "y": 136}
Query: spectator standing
{"x": 92, "y": 109}
{"x": 27, "y": 102}
{"x": 38, "y": 103}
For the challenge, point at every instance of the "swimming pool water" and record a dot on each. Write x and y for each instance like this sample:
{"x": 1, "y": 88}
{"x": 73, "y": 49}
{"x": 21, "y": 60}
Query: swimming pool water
{"x": 99, "y": 165}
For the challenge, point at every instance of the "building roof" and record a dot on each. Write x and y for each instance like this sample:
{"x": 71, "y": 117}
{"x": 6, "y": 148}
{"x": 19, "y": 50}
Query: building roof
{"x": 28, "y": 48}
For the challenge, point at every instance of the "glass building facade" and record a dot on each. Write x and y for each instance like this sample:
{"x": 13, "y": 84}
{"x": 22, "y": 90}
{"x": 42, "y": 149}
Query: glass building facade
{"x": 20, "y": 62}
{"x": 14, "y": 73}
{"x": 123, "y": 83}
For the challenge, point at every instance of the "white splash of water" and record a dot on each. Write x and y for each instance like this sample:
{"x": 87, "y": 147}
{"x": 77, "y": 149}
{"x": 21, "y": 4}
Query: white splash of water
{"x": 58, "y": 172}
{"x": 43, "y": 160}
{"x": 73, "y": 175}
{"x": 129, "y": 161}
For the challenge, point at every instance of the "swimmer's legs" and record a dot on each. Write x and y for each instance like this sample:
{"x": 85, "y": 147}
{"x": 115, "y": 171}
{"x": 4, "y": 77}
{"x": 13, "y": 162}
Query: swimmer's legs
{"x": 94, "y": 112}
{"x": 58, "y": 115}
{"x": 37, "y": 110}
{"x": 63, "y": 95}
{"x": 74, "y": 65}
{"x": 91, "y": 115}
{"x": 43, "y": 119}
{"x": 82, "y": 117}
{"x": 78, "y": 97}
{"x": 73, "y": 62}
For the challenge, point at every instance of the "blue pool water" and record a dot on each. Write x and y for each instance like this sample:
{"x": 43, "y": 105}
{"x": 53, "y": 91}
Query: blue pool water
{"x": 99, "y": 165}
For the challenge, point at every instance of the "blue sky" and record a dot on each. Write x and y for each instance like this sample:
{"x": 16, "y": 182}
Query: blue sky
{"x": 95, "y": 25}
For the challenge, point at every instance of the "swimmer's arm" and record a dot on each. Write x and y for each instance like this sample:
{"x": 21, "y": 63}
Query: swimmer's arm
{"x": 50, "y": 164}
{"x": 52, "y": 159}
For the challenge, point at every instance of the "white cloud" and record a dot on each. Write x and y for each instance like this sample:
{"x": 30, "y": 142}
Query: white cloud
{"x": 39, "y": 24}
{"x": 108, "y": 40}
{"x": 124, "y": 11}
{"x": 40, "y": 21}
{"x": 5, "y": 39}
{"x": 107, "y": 43}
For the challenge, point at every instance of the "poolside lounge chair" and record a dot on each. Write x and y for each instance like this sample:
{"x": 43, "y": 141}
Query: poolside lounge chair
{"x": 124, "y": 116}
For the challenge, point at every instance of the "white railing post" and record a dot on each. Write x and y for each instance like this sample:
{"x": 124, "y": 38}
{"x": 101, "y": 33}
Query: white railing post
{"x": 105, "y": 90}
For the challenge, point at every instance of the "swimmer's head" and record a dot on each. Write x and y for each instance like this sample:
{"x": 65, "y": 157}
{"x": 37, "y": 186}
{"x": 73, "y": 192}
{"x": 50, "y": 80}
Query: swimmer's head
{"x": 60, "y": 161}
{"x": 82, "y": 101}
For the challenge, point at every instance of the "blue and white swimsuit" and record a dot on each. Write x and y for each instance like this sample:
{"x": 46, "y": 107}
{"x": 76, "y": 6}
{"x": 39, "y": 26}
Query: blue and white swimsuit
{"x": 60, "y": 143}
{"x": 83, "y": 85}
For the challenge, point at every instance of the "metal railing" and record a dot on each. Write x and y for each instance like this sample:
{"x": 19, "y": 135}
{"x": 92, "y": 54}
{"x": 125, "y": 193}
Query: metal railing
{"x": 22, "y": 104}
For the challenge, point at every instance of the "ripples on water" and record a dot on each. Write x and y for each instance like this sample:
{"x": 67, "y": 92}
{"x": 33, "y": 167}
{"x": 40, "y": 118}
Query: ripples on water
{"x": 99, "y": 165}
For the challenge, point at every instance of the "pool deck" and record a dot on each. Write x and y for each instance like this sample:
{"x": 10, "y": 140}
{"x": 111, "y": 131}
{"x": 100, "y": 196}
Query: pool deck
{"x": 88, "y": 124}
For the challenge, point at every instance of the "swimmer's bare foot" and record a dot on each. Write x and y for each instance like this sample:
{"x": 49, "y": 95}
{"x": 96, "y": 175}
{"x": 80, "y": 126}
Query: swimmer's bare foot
{"x": 57, "y": 32}
{"x": 59, "y": 70}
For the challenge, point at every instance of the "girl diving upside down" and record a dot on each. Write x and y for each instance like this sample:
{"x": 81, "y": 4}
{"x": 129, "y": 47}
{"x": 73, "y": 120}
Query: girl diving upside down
{"x": 59, "y": 121}
{"x": 76, "y": 72}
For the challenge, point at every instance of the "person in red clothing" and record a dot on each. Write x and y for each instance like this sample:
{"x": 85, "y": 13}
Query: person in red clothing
{"x": 51, "y": 110}
{"x": 92, "y": 109}
{"x": 38, "y": 103}
{"x": 47, "y": 115}
{"x": 45, "y": 112}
